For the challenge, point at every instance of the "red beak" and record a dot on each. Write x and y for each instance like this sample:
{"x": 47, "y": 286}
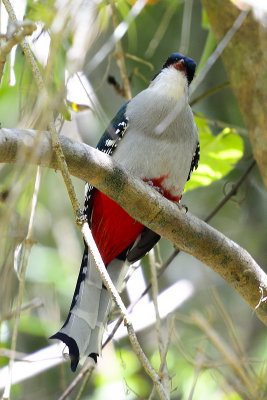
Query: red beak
{"x": 180, "y": 65}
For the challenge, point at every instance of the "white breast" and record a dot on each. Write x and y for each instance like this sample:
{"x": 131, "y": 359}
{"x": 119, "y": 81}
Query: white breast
{"x": 148, "y": 154}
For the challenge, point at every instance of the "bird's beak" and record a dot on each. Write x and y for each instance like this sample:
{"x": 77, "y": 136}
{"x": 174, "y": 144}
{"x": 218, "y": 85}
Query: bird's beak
{"x": 180, "y": 65}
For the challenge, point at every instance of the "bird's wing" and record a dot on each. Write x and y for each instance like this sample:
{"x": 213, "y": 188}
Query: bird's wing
{"x": 114, "y": 132}
{"x": 195, "y": 161}
{"x": 107, "y": 144}
{"x": 143, "y": 244}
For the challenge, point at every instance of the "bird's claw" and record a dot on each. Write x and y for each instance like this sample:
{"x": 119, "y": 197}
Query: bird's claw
{"x": 157, "y": 188}
{"x": 182, "y": 207}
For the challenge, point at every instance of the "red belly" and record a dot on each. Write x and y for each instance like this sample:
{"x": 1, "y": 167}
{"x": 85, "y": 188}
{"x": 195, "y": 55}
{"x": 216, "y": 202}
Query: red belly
{"x": 112, "y": 228}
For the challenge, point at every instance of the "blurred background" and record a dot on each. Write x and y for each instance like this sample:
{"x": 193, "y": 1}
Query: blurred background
{"x": 216, "y": 344}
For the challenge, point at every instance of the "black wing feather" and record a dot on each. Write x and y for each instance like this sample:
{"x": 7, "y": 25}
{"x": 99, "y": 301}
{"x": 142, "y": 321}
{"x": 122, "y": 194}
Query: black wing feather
{"x": 195, "y": 161}
{"x": 107, "y": 144}
{"x": 143, "y": 244}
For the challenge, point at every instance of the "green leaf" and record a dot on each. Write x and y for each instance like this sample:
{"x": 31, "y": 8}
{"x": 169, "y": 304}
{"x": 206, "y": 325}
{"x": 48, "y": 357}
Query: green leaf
{"x": 123, "y": 8}
{"x": 205, "y": 21}
{"x": 104, "y": 15}
{"x": 231, "y": 396}
{"x": 218, "y": 155}
{"x": 41, "y": 11}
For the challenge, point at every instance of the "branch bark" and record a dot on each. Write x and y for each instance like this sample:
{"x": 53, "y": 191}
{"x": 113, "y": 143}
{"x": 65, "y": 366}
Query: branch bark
{"x": 7, "y": 43}
{"x": 228, "y": 259}
{"x": 245, "y": 62}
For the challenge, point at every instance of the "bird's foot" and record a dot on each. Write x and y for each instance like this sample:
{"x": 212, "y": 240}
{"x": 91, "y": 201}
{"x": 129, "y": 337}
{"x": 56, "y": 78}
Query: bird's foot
{"x": 182, "y": 207}
{"x": 157, "y": 188}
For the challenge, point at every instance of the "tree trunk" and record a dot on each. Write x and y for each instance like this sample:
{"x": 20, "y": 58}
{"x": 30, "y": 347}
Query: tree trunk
{"x": 245, "y": 62}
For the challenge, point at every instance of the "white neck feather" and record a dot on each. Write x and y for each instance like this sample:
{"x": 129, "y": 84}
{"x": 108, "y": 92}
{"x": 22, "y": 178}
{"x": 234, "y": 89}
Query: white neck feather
{"x": 172, "y": 83}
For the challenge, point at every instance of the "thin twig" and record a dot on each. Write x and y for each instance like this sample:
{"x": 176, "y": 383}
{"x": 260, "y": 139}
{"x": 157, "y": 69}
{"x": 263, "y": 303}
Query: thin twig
{"x": 51, "y": 125}
{"x": 221, "y": 124}
{"x": 84, "y": 384}
{"x": 118, "y": 34}
{"x": 209, "y": 92}
{"x": 218, "y": 51}
{"x": 26, "y": 28}
{"x": 163, "y": 26}
{"x": 163, "y": 365}
{"x": 232, "y": 192}
{"x": 164, "y": 370}
{"x": 180, "y": 345}
{"x": 230, "y": 328}
{"x": 25, "y": 47}
{"x": 86, "y": 371}
{"x": 228, "y": 354}
{"x": 155, "y": 292}
{"x": 95, "y": 106}
{"x": 140, "y": 60}
{"x": 198, "y": 367}
{"x": 87, "y": 234}
{"x": 14, "y": 355}
{"x": 27, "y": 245}
{"x": 120, "y": 56}
{"x": 31, "y": 305}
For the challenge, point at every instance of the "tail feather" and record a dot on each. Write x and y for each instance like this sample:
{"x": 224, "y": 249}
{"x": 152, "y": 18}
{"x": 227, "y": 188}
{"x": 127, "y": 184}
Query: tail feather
{"x": 85, "y": 325}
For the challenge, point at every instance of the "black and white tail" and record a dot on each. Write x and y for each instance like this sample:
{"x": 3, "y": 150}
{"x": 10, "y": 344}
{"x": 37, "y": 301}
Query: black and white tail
{"x": 83, "y": 330}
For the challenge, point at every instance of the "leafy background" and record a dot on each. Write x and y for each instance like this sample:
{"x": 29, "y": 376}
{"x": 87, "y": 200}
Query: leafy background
{"x": 197, "y": 366}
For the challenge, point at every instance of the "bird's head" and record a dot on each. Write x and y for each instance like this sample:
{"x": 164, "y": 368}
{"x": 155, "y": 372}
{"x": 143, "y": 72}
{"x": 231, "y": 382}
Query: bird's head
{"x": 181, "y": 63}
{"x": 174, "y": 77}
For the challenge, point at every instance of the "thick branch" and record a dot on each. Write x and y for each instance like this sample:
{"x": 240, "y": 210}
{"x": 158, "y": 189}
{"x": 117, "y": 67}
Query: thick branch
{"x": 245, "y": 62}
{"x": 146, "y": 205}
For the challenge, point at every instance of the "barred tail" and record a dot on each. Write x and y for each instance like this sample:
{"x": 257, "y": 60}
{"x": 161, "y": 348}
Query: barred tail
{"x": 83, "y": 330}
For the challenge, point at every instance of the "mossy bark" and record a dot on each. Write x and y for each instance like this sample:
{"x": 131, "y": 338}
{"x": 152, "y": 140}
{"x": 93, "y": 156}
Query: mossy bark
{"x": 245, "y": 62}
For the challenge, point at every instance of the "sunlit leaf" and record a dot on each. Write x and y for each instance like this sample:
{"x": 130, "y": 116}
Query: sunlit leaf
{"x": 205, "y": 21}
{"x": 123, "y": 8}
{"x": 148, "y": 2}
{"x": 77, "y": 107}
{"x": 231, "y": 396}
{"x": 41, "y": 11}
{"x": 104, "y": 14}
{"x": 218, "y": 155}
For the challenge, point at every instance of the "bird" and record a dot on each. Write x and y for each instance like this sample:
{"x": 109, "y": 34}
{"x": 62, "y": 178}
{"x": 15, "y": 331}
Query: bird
{"x": 154, "y": 136}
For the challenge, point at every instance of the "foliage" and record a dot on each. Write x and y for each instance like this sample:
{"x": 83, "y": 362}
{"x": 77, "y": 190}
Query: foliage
{"x": 196, "y": 366}
{"x": 218, "y": 155}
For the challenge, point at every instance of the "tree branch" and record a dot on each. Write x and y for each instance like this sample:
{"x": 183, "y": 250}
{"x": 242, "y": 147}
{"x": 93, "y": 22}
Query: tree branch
{"x": 229, "y": 260}
{"x": 244, "y": 59}
{"x": 9, "y": 41}
{"x": 62, "y": 166}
